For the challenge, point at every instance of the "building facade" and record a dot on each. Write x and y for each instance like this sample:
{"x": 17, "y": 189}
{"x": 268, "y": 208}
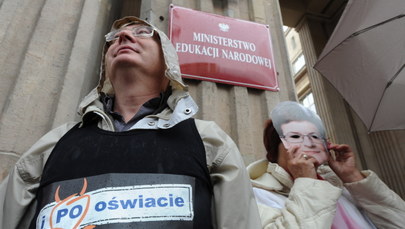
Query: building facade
{"x": 50, "y": 54}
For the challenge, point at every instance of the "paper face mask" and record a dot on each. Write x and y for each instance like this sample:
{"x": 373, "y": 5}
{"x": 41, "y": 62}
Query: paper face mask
{"x": 299, "y": 126}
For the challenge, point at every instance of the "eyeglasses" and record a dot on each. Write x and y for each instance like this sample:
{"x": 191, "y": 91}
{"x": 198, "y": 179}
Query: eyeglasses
{"x": 139, "y": 31}
{"x": 298, "y": 138}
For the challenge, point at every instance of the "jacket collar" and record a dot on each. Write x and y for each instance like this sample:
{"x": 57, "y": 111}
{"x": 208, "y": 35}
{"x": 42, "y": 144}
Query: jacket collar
{"x": 269, "y": 176}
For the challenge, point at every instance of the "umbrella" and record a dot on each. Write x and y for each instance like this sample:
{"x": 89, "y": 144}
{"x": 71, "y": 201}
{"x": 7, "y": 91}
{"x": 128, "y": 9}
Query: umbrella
{"x": 364, "y": 60}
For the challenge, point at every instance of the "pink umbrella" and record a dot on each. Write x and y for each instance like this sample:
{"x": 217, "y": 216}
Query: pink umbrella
{"x": 364, "y": 59}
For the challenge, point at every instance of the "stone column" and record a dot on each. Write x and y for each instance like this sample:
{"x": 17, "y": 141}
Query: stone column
{"x": 390, "y": 149}
{"x": 49, "y": 56}
{"x": 329, "y": 103}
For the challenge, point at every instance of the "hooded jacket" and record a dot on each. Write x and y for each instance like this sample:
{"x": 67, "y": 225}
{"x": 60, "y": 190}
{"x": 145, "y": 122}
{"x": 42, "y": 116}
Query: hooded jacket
{"x": 310, "y": 203}
{"x": 233, "y": 204}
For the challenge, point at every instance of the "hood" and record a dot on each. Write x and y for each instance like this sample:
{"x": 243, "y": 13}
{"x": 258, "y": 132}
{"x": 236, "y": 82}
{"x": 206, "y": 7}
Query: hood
{"x": 169, "y": 55}
{"x": 170, "y": 58}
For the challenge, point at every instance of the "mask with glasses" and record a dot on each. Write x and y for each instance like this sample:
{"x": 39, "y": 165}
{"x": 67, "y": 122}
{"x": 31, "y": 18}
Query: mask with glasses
{"x": 142, "y": 31}
{"x": 299, "y": 138}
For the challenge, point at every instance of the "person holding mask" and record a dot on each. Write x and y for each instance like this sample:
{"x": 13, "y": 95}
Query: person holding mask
{"x": 137, "y": 158}
{"x": 295, "y": 188}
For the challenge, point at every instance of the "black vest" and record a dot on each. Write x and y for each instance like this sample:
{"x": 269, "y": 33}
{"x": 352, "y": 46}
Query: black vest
{"x": 87, "y": 159}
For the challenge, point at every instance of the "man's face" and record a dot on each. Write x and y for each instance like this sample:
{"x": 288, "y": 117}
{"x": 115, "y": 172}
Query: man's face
{"x": 129, "y": 51}
{"x": 305, "y": 135}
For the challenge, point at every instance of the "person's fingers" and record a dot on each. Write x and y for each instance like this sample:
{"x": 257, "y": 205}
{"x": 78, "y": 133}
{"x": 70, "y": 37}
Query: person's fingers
{"x": 302, "y": 165}
{"x": 310, "y": 159}
{"x": 291, "y": 152}
{"x": 330, "y": 144}
{"x": 340, "y": 148}
{"x": 333, "y": 158}
{"x": 288, "y": 155}
{"x": 341, "y": 152}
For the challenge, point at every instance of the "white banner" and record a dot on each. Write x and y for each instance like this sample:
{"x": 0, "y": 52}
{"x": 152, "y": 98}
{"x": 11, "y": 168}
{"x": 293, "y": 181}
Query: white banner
{"x": 139, "y": 203}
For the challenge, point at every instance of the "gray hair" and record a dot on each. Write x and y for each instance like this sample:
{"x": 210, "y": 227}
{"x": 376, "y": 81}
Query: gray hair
{"x": 289, "y": 111}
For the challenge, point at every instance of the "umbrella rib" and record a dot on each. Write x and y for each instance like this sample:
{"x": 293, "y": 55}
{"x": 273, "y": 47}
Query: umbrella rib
{"x": 376, "y": 25}
{"x": 386, "y": 87}
{"x": 357, "y": 33}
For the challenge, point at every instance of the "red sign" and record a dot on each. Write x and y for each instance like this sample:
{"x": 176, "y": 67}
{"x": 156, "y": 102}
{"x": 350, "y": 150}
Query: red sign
{"x": 222, "y": 49}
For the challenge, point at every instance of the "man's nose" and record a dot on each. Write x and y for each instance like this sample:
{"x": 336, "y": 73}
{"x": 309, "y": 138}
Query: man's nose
{"x": 125, "y": 35}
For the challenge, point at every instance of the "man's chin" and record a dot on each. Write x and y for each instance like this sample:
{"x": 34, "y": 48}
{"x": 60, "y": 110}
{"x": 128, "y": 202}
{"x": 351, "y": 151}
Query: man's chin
{"x": 125, "y": 61}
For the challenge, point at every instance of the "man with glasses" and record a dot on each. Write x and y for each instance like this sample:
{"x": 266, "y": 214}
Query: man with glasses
{"x": 137, "y": 158}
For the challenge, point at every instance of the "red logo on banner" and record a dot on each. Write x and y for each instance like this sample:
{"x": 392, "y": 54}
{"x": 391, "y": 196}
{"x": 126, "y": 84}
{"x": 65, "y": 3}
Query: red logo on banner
{"x": 222, "y": 49}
